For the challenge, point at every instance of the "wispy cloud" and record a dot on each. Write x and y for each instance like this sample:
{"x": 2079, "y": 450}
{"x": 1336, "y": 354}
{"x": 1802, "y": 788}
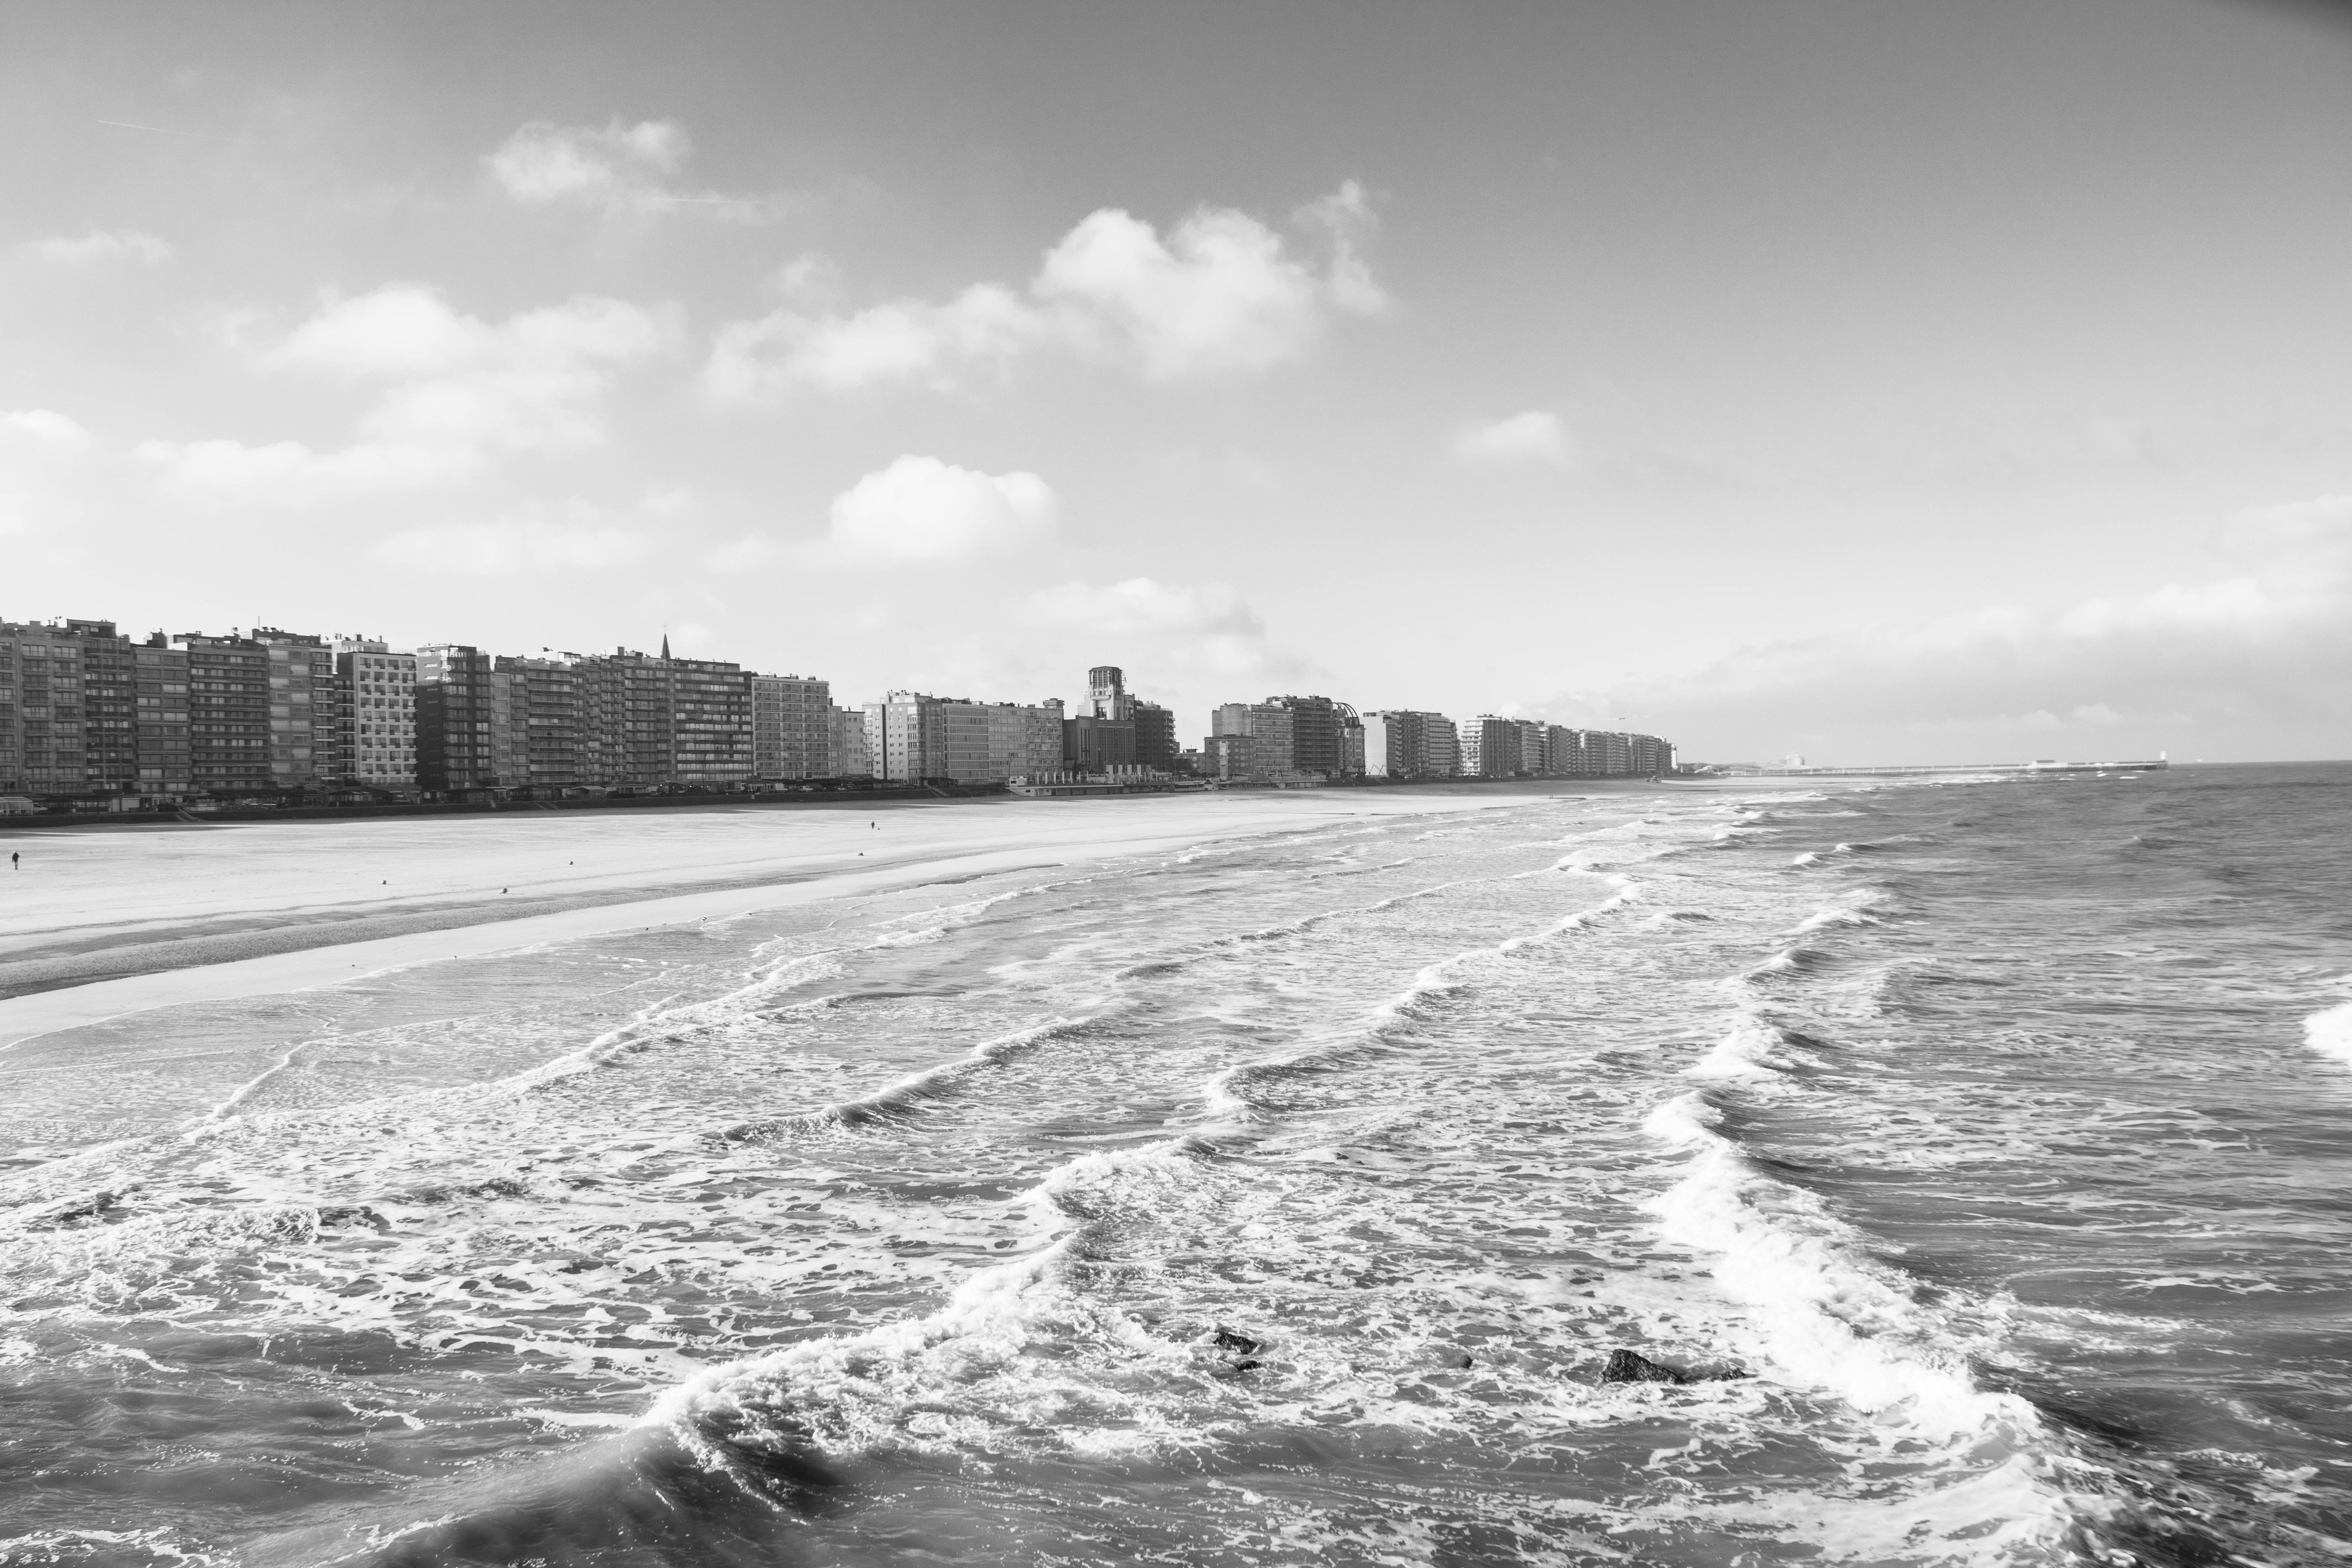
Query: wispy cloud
{"x": 1533, "y": 438}
{"x": 46, "y": 427}
{"x": 455, "y": 390}
{"x": 1220, "y": 293}
{"x": 2244, "y": 661}
{"x": 616, "y": 168}
{"x": 97, "y": 246}
{"x": 511, "y": 545}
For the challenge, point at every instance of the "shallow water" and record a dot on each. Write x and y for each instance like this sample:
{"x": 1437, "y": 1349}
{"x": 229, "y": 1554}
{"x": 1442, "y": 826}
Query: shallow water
{"x": 1980, "y": 1147}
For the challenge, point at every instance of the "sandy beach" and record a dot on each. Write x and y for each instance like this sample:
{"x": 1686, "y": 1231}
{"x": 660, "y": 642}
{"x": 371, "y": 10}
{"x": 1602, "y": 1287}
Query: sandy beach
{"x": 108, "y": 921}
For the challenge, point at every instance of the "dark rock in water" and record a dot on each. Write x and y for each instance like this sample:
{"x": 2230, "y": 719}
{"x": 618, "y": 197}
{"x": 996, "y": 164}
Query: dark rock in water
{"x": 1624, "y": 1366}
{"x": 1224, "y": 1339}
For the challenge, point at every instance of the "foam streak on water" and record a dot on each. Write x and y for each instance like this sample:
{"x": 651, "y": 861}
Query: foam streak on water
{"x": 1976, "y": 1153}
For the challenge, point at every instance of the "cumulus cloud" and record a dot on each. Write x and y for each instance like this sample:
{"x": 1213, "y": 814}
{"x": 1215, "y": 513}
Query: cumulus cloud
{"x": 514, "y": 545}
{"x": 452, "y": 391}
{"x": 613, "y": 168}
{"x": 920, "y": 510}
{"x": 2258, "y": 662}
{"x": 1220, "y": 293}
{"x": 99, "y": 246}
{"x": 1535, "y": 437}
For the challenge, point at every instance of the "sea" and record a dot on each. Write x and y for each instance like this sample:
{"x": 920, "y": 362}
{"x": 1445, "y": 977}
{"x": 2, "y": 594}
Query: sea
{"x": 1968, "y": 1164}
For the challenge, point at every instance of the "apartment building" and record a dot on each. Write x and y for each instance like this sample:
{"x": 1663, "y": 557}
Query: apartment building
{"x": 853, "y": 758}
{"x": 1155, "y": 736}
{"x": 42, "y": 746}
{"x": 1490, "y": 748}
{"x": 160, "y": 717}
{"x": 792, "y": 728}
{"x": 912, "y": 736}
{"x": 454, "y": 711}
{"x": 372, "y": 707}
{"x": 544, "y": 707}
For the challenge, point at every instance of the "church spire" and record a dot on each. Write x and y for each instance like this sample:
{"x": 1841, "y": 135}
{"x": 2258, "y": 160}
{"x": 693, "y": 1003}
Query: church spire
{"x": 664, "y": 645}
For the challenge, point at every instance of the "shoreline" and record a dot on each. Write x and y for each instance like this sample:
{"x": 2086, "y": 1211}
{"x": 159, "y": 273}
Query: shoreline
{"x": 83, "y": 969}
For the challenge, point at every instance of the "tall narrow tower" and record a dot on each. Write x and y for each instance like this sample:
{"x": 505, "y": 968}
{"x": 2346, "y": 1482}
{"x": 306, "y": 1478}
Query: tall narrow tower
{"x": 1107, "y": 693}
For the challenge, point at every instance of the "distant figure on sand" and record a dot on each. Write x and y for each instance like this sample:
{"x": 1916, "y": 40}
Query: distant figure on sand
{"x": 14, "y": 856}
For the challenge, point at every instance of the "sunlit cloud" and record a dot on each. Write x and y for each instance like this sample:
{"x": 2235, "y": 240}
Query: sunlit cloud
{"x": 1220, "y": 293}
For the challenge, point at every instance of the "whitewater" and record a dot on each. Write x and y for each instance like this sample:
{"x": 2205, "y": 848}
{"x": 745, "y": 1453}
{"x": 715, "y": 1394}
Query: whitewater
{"x": 1971, "y": 1156}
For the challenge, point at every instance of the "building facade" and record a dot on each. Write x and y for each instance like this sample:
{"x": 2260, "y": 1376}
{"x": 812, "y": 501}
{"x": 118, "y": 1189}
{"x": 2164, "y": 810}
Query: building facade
{"x": 1490, "y": 748}
{"x": 852, "y": 757}
{"x": 912, "y": 737}
{"x": 454, "y": 754}
{"x": 372, "y": 709}
{"x": 792, "y": 728}
{"x": 545, "y": 748}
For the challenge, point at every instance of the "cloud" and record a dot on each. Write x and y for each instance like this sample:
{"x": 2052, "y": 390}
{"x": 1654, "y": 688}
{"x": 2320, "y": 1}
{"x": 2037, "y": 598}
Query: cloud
{"x": 920, "y": 510}
{"x": 453, "y": 392}
{"x": 99, "y": 246}
{"x": 616, "y": 168}
{"x": 2255, "y": 663}
{"x": 1219, "y": 294}
{"x": 46, "y": 427}
{"x": 1141, "y": 604}
{"x": 513, "y": 545}
{"x": 1534, "y": 437}
{"x": 906, "y": 339}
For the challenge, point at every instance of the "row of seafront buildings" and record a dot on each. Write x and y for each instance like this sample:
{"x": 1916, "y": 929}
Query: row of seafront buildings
{"x": 1309, "y": 739}
{"x": 93, "y": 718}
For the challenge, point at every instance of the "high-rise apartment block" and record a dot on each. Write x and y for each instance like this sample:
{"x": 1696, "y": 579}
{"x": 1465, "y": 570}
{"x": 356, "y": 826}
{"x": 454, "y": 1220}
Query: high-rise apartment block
{"x": 1490, "y": 748}
{"x": 853, "y": 758}
{"x": 792, "y": 728}
{"x": 42, "y": 749}
{"x": 545, "y": 707}
{"x": 1155, "y": 736}
{"x": 1402, "y": 743}
{"x": 453, "y": 709}
{"x": 912, "y": 736}
{"x": 373, "y": 708}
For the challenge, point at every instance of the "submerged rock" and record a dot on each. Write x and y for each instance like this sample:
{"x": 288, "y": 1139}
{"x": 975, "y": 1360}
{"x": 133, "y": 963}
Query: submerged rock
{"x": 1624, "y": 1366}
{"x": 1224, "y": 1339}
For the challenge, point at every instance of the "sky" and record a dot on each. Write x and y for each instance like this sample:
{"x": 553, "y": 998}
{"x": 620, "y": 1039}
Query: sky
{"x": 1873, "y": 381}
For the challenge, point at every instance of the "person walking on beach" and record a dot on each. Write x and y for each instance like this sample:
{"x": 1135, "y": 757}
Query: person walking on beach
{"x": 14, "y": 857}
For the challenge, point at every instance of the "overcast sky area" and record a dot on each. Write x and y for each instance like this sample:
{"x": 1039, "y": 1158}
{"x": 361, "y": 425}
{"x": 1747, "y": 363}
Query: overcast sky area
{"x": 1882, "y": 382}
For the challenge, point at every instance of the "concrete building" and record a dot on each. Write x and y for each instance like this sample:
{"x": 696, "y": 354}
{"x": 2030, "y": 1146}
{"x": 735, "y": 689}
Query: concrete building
{"x": 1155, "y": 736}
{"x": 1490, "y": 748}
{"x": 43, "y": 750}
{"x": 853, "y": 758}
{"x": 653, "y": 722}
{"x": 373, "y": 712}
{"x": 454, "y": 754}
{"x": 792, "y": 728}
{"x": 914, "y": 736}
{"x": 85, "y": 711}
{"x": 1405, "y": 742}
{"x": 1274, "y": 729}
{"x": 162, "y": 719}
{"x": 251, "y": 710}
{"x": 1230, "y": 757}
{"x": 545, "y": 712}
{"x": 1090, "y": 744}
{"x": 1535, "y": 747}
{"x": 1315, "y": 726}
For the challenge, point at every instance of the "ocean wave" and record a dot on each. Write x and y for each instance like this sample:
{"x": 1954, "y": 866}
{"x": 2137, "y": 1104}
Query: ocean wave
{"x": 2329, "y": 1031}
